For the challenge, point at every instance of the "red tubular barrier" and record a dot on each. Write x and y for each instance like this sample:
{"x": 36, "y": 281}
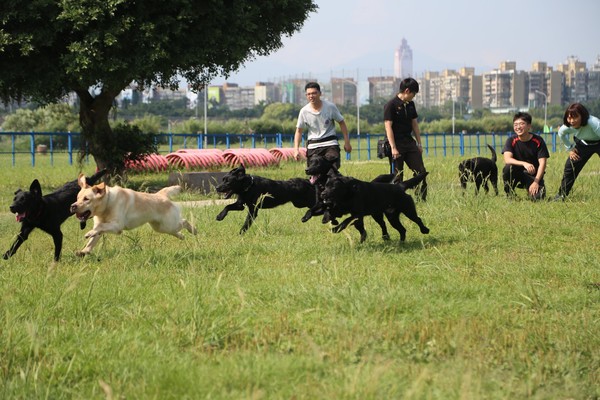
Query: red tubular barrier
{"x": 196, "y": 158}
{"x": 152, "y": 162}
{"x": 250, "y": 157}
{"x": 287, "y": 153}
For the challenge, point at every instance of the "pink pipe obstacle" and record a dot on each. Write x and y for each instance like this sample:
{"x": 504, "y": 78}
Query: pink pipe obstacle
{"x": 152, "y": 162}
{"x": 196, "y": 158}
{"x": 287, "y": 153}
{"x": 190, "y": 159}
{"x": 250, "y": 157}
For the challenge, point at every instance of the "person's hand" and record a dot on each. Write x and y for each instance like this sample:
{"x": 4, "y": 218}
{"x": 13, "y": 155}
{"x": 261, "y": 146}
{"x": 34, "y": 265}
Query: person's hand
{"x": 348, "y": 147}
{"x": 530, "y": 168}
{"x": 395, "y": 153}
{"x": 296, "y": 154}
{"x": 573, "y": 155}
{"x": 534, "y": 188}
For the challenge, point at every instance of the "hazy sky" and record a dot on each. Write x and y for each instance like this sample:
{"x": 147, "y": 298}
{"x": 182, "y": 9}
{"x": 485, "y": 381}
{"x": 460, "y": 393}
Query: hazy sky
{"x": 346, "y": 38}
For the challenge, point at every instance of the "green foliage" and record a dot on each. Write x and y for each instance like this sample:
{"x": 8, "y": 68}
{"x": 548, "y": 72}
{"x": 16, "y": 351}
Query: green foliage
{"x": 50, "y": 48}
{"x": 372, "y": 113}
{"x": 150, "y": 124}
{"x": 128, "y": 143}
{"x": 58, "y": 117}
{"x": 281, "y": 111}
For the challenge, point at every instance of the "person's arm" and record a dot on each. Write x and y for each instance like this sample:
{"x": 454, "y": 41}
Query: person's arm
{"x": 344, "y": 129}
{"x": 509, "y": 159}
{"x": 564, "y": 133}
{"x": 389, "y": 133}
{"x": 594, "y": 124}
{"x": 297, "y": 141}
{"x": 535, "y": 186}
{"x": 417, "y": 133}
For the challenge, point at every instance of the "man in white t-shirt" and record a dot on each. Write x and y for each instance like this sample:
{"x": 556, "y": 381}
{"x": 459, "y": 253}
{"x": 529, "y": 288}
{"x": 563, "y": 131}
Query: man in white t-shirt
{"x": 318, "y": 117}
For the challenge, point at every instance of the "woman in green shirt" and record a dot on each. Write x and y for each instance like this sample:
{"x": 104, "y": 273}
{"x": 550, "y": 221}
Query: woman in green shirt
{"x": 585, "y": 131}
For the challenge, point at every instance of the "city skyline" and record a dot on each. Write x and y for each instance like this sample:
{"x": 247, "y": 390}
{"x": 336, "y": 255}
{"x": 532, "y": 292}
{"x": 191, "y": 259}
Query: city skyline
{"x": 359, "y": 37}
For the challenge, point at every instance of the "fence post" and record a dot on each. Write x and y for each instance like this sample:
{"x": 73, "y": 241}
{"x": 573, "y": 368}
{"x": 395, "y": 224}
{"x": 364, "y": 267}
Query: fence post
{"x": 32, "y": 148}
{"x": 444, "y": 142}
{"x": 70, "y": 148}
{"x": 51, "y": 151}
{"x": 13, "y": 149}
{"x": 461, "y": 144}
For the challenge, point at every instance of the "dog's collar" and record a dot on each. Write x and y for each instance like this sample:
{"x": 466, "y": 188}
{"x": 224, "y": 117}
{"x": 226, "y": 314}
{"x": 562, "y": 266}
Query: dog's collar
{"x": 251, "y": 183}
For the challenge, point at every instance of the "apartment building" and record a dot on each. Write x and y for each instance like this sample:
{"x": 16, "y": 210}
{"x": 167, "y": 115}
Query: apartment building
{"x": 383, "y": 87}
{"x": 501, "y": 89}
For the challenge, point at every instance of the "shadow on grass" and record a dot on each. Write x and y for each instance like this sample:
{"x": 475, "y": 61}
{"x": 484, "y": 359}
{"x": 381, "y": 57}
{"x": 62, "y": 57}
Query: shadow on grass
{"x": 412, "y": 243}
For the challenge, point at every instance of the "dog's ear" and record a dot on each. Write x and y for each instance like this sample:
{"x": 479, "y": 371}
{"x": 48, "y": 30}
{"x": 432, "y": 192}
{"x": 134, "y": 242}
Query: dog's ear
{"x": 82, "y": 182}
{"x": 99, "y": 189}
{"x": 35, "y": 187}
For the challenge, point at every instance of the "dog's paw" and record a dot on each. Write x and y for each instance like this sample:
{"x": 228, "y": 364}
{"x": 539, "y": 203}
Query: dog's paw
{"x": 81, "y": 253}
{"x": 90, "y": 234}
{"x": 306, "y": 216}
{"x": 385, "y": 237}
{"x": 6, "y": 255}
{"x": 424, "y": 230}
{"x": 221, "y": 216}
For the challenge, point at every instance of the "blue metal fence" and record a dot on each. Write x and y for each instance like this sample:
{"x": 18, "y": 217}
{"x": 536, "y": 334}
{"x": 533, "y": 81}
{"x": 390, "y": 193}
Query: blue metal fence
{"x": 364, "y": 146}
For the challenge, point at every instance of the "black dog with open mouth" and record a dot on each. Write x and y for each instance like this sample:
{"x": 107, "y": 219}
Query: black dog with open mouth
{"x": 47, "y": 212}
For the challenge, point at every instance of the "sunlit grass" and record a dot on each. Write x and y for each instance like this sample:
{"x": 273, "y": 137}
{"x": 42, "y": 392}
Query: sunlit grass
{"x": 500, "y": 300}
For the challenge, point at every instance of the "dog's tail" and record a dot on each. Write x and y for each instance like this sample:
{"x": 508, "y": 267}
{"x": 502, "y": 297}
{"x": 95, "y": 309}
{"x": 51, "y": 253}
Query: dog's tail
{"x": 92, "y": 180}
{"x": 169, "y": 191}
{"x": 494, "y": 158}
{"x": 412, "y": 182}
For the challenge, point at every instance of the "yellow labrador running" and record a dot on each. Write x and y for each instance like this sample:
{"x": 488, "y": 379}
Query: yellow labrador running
{"x": 116, "y": 209}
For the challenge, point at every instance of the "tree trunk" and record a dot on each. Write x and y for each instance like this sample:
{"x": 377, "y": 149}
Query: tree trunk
{"x": 95, "y": 129}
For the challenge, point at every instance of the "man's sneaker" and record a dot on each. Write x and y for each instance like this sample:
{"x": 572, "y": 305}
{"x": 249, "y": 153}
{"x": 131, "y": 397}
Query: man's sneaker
{"x": 558, "y": 197}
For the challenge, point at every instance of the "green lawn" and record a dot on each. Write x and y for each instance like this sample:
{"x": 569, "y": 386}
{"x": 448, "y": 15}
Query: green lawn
{"x": 500, "y": 301}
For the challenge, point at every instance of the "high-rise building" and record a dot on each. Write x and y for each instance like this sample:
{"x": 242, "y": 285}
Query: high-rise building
{"x": 403, "y": 61}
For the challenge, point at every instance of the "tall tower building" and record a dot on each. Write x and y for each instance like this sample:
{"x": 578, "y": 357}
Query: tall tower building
{"x": 403, "y": 61}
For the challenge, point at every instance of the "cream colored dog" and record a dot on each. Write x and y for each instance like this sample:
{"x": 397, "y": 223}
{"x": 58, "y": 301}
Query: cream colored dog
{"x": 116, "y": 209}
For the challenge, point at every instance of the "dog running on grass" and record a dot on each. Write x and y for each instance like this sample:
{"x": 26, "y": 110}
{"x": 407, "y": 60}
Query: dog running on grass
{"x": 348, "y": 195}
{"x": 116, "y": 209}
{"x": 319, "y": 169}
{"x": 257, "y": 192}
{"x": 47, "y": 212}
{"x": 480, "y": 170}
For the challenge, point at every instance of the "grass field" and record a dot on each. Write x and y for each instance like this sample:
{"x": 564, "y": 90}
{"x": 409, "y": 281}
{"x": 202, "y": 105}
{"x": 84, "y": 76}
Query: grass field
{"x": 500, "y": 301}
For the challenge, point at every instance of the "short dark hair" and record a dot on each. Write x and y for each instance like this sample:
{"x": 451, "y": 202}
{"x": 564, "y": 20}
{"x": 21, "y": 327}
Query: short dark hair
{"x": 574, "y": 110}
{"x": 410, "y": 84}
{"x": 312, "y": 85}
{"x": 524, "y": 116}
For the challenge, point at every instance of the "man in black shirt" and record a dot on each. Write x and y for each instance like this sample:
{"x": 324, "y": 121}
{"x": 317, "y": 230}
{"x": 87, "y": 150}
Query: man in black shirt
{"x": 400, "y": 120}
{"x": 525, "y": 156}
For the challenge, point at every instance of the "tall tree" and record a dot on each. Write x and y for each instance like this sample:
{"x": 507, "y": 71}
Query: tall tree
{"x": 96, "y": 48}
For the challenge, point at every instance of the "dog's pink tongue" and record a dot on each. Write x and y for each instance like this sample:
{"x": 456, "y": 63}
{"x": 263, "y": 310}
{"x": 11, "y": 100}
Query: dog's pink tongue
{"x": 313, "y": 179}
{"x": 20, "y": 217}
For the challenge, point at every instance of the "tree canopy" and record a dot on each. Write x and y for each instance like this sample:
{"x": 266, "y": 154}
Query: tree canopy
{"x": 49, "y": 48}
